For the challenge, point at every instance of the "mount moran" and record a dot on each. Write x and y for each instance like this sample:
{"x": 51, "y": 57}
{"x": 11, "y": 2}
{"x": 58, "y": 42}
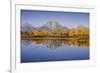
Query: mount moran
{"x": 50, "y": 25}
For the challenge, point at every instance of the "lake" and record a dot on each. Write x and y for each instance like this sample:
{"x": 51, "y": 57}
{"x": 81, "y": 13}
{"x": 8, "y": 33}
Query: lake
{"x": 43, "y": 50}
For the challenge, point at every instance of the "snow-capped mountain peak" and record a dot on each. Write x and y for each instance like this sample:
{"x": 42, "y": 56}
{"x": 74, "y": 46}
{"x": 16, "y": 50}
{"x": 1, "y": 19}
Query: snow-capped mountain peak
{"x": 51, "y": 24}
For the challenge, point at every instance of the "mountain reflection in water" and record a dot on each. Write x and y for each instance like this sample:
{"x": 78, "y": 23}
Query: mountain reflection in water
{"x": 55, "y": 43}
{"x": 42, "y": 50}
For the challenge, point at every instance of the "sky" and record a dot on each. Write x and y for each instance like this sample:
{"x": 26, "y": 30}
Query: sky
{"x": 68, "y": 19}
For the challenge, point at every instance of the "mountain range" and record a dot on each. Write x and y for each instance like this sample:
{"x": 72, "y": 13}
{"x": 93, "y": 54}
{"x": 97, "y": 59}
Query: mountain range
{"x": 50, "y": 25}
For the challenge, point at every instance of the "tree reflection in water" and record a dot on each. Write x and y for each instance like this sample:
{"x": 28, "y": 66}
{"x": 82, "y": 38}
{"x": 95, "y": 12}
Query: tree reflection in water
{"x": 55, "y": 43}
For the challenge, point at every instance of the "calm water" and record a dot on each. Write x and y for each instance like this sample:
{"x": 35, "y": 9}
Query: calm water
{"x": 53, "y": 50}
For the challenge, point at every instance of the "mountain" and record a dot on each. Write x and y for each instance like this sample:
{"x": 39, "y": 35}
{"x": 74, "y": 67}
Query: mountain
{"x": 81, "y": 27}
{"x": 27, "y": 28}
{"x": 51, "y": 24}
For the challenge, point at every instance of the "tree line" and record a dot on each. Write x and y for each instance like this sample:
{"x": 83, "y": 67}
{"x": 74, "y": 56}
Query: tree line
{"x": 58, "y": 32}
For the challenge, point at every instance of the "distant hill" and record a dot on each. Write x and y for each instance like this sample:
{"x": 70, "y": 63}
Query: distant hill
{"x": 27, "y": 28}
{"x": 81, "y": 27}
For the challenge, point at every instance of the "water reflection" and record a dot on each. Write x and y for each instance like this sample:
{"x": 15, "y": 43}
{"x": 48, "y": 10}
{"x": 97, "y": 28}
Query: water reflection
{"x": 55, "y": 43}
{"x": 25, "y": 43}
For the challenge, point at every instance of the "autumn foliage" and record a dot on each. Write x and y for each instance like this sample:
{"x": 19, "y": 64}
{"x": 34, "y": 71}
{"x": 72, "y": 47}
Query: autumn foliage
{"x": 58, "y": 33}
